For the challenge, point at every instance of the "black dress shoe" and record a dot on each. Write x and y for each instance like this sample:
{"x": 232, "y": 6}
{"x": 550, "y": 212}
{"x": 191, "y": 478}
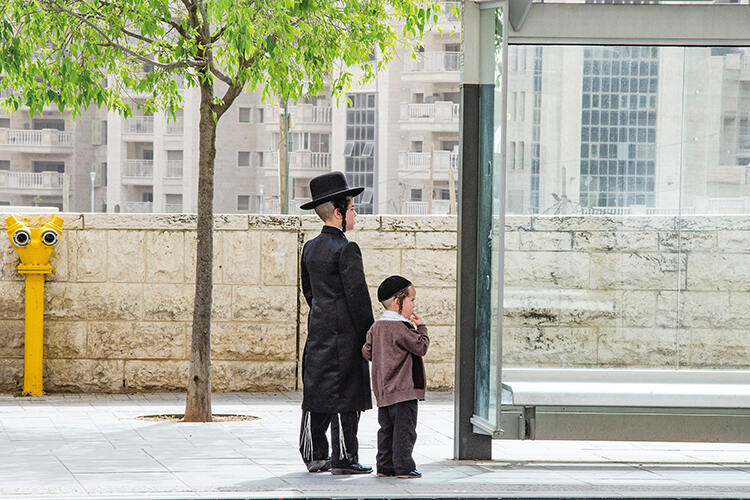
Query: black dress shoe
{"x": 351, "y": 469}
{"x": 322, "y": 465}
{"x": 411, "y": 475}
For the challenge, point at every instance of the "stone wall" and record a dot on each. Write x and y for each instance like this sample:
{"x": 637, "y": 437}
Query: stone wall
{"x": 627, "y": 291}
{"x": 594, "y": 291}
{"x": 118, "y": 310}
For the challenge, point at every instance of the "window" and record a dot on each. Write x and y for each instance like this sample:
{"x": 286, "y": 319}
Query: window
{"x": 520, "y": 155}
{"x": 259, "y": 115}
{"x": 512, "y": 155}
{"x": 243, "y": 158}
{"x": 48, "y": 166}
{"x": 243, "y": 203}
{"x": 301, "y": 188}
{"x": 258, "y": 155}
{"x": 4, "y": 122}
{"x": 416, "y": 146}
{"x": 147, "y": 197}
{"x": 4, "y": 164}
{"x": 42, "y": 123}
{"x": 415, "y": 195}
{"x": 244, "y": 115}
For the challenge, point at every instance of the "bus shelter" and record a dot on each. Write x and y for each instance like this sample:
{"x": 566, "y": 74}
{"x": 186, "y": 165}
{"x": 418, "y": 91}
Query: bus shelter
{"x": 604, "y": 222}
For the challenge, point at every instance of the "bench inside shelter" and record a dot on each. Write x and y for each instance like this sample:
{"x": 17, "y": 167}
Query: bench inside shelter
{"x": 626, "y": 404}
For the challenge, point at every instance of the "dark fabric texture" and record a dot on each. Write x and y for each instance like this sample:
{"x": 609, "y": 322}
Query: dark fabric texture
{"x": 396, "y": 349}
{"x": 396, "y": 438}
{"x": 319, "y": 424}
{"x": 335, "y": 377}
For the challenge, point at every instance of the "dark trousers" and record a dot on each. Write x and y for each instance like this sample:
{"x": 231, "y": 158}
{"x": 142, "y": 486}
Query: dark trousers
{"x": 396, "y": 437}
{"x": 313, "y": 442}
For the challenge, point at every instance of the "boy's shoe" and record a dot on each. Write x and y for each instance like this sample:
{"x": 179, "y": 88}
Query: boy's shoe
{"x": 323, "y": 465}
{"x": 351, "y": 469}
{"x": 411, "y": 475}
{"x": 386, "y": 474}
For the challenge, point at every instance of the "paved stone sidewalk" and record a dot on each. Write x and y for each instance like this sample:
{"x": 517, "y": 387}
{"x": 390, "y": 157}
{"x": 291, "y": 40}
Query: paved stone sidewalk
{"x": 92, "y": 446}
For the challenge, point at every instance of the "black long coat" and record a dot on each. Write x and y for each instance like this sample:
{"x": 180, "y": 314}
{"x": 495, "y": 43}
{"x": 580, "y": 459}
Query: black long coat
{"x": 336, "y": 377}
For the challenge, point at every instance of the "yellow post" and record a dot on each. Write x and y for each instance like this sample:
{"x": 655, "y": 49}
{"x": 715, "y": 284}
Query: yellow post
{"x": 35, "y": 247}
{"x": 33, "y": 353}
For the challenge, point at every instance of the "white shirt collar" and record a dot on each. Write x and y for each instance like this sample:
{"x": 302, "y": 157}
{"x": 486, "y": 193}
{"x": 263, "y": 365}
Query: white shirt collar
{"x": 392, "y": 316}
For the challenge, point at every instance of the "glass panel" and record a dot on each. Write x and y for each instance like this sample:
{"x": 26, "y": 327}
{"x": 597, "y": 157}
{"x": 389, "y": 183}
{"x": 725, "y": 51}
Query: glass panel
{"x": 625, "y": 242}
{"x": 489, "y": 237}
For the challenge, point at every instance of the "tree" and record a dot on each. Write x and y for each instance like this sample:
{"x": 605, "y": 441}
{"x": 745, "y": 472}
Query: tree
{"x": 78, "y": 53}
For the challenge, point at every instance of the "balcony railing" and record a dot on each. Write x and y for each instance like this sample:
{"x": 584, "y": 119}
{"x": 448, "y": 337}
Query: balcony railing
{"x": 46, "y": 137}
{"x": 174, "y": 169}
{"x": 138, "y": 168}
{"x": 137, "y": 207}
{"x": 439, "y": 207}
{"x": 418, "y": 161}
{"x": 31, "y": 180}
{"x": 176, "y": 127}
{"x": 302, "y": 113}
{"x": 302, "y": 160}
{"x": 434, "y": 62}
{"x": 139, "y": 125}
{"x": 440, "y": 111}
{"x": 173, "y": 208}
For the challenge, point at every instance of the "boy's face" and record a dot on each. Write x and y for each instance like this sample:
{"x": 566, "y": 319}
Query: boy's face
{"x": 408, "y": 305}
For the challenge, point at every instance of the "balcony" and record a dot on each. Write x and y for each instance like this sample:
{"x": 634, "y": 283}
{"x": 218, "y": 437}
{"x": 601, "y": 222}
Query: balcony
{"x": 441, "y": 116}
{"x": 47, "y": 140}
{"x": 173, "y": 208}
{"x": 439, "y": 207}
{"x": 138, "y": 172}
{"x": 302, "y": 114}
{"x": 36, "y": 183}
{"x": 137, "y": 207}
{"x": 417, "y": 165}
{"x": 138, "y": 125}
{"x": 433, "y": 67}
{"x": 174, "y": 169}
{"x": 176, "y": 127}
{"x": 301, "y": 161}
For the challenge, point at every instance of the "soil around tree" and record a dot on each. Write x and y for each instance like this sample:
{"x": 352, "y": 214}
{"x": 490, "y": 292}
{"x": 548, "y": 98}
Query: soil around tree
{"x": 216, "y": 417}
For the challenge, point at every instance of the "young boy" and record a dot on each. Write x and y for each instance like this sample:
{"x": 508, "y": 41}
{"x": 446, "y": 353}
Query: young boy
{"x": 395, "y": 348}
{"x": 336, "y": 380}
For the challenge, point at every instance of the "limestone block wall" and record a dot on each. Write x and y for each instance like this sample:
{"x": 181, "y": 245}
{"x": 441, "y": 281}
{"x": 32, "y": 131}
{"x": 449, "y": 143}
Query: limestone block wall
{"x": 599, "y": 291}
{"x": 627, "y": 291}
{"x": 118, "y": 309}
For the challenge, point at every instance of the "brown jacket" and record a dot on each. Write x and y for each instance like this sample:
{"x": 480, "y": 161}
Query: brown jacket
{"x": 396, "y": 349}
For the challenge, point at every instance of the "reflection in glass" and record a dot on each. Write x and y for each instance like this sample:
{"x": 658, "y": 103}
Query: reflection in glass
{"x": 625, "y": 240}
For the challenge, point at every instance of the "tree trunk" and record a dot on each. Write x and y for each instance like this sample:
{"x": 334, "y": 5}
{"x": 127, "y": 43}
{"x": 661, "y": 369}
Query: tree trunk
{"x": 198, "y": 405}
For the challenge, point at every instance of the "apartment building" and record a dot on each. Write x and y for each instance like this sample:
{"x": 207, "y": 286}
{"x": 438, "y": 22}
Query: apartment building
{"x": 397, "y": 136}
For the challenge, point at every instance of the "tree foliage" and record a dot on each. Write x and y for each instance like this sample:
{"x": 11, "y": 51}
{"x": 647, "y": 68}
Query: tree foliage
{"x": 79, "y": 53}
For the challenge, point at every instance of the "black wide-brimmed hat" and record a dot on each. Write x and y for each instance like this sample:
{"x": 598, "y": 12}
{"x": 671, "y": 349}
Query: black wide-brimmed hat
{"x": 327, "y": 187}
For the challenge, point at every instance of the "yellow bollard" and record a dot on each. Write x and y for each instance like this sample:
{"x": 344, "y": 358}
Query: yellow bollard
{"x": 35, "y": 247}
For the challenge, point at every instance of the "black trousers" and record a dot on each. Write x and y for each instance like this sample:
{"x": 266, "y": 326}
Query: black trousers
{"x": 396, "y": 437}
{"x": 313, "y": 442}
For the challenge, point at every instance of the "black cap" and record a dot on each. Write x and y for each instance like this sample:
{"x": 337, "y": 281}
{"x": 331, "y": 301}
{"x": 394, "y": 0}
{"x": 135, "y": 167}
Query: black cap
{"x": 328, "y": 187}
{"x": 391, "y": 286}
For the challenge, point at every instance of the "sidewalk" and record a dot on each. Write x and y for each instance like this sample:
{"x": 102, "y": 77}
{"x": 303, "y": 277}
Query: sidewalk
{"x": 92, "y": 446}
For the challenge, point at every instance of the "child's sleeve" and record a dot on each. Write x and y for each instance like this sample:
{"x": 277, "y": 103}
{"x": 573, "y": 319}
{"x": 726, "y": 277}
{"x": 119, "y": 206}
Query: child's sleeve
{"x": 414, "y": 341}
{"x": 355, "y": 288}
{"x": 367, "y": 348}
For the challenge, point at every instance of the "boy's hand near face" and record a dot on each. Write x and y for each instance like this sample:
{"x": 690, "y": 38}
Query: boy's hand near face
{"x": 416, "y": 319}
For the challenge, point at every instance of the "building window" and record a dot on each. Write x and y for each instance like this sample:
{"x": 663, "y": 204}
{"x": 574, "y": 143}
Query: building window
{"x": 244, "y": 115}
{"x": 4, "y": 164}
{"x": 415, "y": 195}
{"x": 4, "y": 122}
{"x": 259, "y": 115}
{"x": 258, "y": 155}
{"x": 243, "y": 203}
{"x": 42, "y": 123}
{"x": 359, "y": 150}
{"x": 147, "y": 197}
{"x": 48, "y": 166}
{"x": 243, "y": 158}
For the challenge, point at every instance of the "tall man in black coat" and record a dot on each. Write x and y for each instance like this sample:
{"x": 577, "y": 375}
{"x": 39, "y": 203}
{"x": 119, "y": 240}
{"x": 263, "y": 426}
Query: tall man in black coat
{"x": 336, "y": 378}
